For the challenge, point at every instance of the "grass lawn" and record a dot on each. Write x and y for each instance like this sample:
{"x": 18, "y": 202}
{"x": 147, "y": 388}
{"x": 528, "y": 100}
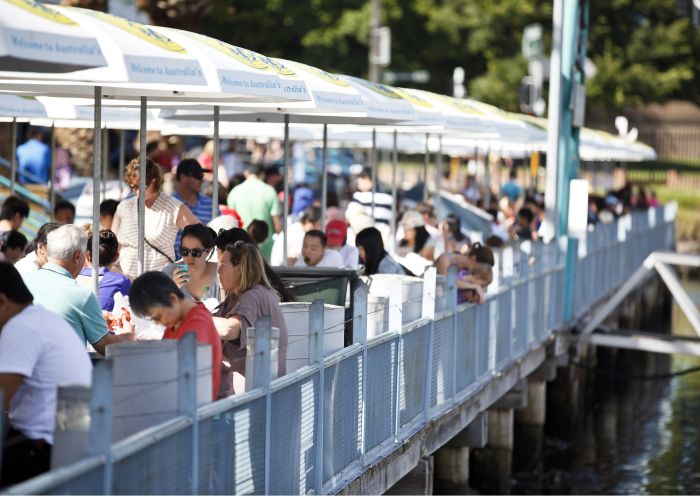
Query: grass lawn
{"x": 688, "y": 220}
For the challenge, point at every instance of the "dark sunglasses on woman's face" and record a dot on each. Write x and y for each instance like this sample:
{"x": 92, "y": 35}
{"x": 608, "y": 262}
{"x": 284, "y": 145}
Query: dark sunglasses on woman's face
{"x": 195, "y": 252}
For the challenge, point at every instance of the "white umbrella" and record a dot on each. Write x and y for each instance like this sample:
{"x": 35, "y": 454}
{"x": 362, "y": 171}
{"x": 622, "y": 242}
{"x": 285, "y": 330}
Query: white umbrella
{"x": 143, "y": 61}
{"x": 39, "y": 42}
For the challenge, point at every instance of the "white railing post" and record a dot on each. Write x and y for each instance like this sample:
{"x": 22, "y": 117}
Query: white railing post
{"x": 359, "y": 318}
{"x": 187, "y": 397}
{"x": 316, "y": 324}
{"x": 101, "y": 419}
{"x": 429, "y": 281}
{"x": 451, "y": 305}
{"x": 524, "y": 254}
{"x": 395, "y": 303}
{"x": 261, "y": 379}
{"x": 359, "y": 331}
{"x": 429, "y": 314}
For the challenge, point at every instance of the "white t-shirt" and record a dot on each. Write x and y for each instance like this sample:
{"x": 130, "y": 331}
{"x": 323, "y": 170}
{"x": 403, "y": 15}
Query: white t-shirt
{"x": 295, "y": 232}
{"x": 42, "y": 347}
{"x": 350, "y": 256}
{"x": 27, "y": 264}
{"x": 330, "y": 258}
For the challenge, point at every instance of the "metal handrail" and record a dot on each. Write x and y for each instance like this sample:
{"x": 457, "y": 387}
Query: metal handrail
{"x": 22, "y": 191}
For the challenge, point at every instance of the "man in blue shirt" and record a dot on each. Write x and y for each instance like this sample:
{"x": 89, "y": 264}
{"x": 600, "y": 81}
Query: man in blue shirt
{"x": 512, "y": 189}
{"x": 34, "y": 159}
{"x": 54, "y": 287}
{"x": 189, "y": 177}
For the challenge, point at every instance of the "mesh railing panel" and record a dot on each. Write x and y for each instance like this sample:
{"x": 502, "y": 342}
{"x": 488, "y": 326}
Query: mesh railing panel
{"x": 412, "y": 373}
{"x": 342, "y": 418}
{"x": 164, "y": 468}
{"x": 90, "y": 483}
{"x": 483, "y": 344}
{"x": 442, "y": 383}
{"x": 503, "y": 337}
{"x": 519, "y": 323}
{"x": 540, "y": 309}
{"x": 467, "y": 338}
{"x": 292, "y": 440}
{"x": 232, "y": 451}
{"x": 382, "y": 369}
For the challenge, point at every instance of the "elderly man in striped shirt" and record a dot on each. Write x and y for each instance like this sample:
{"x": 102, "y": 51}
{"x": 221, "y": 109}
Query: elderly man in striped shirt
{"x": 189, "y": 177}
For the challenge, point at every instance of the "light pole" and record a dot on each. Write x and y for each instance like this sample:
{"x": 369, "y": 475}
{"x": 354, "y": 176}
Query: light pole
{"x": 374, "y": 21}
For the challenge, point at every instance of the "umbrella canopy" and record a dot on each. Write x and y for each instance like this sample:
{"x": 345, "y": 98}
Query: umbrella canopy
{"x": 239, "y": 70}
{"x": 12, "y": 106}
{"x": 457, "y": 117}
{"x": 334, "y": 100}
{"x": 140, "y": 60}
{"x": 382, "y": 100}
{"x": 38, "y": 41}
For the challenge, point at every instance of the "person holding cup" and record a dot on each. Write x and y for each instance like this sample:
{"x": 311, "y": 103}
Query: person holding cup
{"x": 194, "y": 274}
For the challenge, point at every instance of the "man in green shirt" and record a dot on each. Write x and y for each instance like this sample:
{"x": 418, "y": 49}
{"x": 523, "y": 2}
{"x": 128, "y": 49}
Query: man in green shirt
{"x": 254, "y": 199}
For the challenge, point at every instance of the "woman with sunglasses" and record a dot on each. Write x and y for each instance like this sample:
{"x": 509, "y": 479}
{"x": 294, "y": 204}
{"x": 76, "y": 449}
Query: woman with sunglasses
{"x": 249, "y": 296}
{"x": 165, "y": 215}
{"x": 195, "y": 274}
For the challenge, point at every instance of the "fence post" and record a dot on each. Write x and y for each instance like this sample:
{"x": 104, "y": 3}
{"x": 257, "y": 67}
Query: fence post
{"x": 316, "y": 326}
{"x": 429, "y": 281}
{"x": 359, "y": 318}
{"x": 359, "y": 333}
{"x": 524, "y": 254}
{"x": 101, "y": 419}
{"x": 187, "y": 396}
{"x": 451, "y": 305}
{"x": 395, "y": 305}
{"x": 431, "y": 333}
{"x": 569, "y": 275}
{"x": 261, "y": 379}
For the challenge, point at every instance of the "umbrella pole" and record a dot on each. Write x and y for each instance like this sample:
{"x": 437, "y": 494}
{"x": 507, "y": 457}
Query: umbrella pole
{"x": 215, "y": 165}
{"x": 122, "y": 153}
{"x": 52, "y": 180}
{"x": 394, "y": 187}
{"x": 13, "y": 162}
{"x": 487, "y": 177}
{"x": 324, "y": 176}
{"x": 105, "y": 160}
{"x": 499, "y": 170}
{"x": 426, "y": 164}
{"x": 373, "y": 158}
{"x": 142, "y": 187}
{"x": 96, "y": 174}
{"x": 285, "y": 207}
{"x": 438, "y": 170}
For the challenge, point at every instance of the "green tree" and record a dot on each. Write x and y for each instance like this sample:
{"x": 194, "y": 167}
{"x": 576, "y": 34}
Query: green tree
{"x": 644, "y": 50}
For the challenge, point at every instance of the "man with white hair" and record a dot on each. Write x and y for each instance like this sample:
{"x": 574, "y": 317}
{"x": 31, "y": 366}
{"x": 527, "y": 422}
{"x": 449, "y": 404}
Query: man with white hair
{"x": 54, "y": 287}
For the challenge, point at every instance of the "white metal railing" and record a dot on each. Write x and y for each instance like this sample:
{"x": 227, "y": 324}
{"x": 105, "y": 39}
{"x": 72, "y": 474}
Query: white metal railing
{"x": 317, "y": 428}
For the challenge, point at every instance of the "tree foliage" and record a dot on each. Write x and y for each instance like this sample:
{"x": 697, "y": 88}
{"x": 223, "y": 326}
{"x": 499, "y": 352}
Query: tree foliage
{"x": 644, "y": 50}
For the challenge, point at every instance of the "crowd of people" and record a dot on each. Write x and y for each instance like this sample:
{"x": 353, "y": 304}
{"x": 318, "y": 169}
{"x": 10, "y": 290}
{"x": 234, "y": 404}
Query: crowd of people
{"x": 210, "y": 268}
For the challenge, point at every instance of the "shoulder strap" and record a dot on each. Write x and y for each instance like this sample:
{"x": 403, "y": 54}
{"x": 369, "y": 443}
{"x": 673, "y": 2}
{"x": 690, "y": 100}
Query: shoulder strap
{"x": 158, "y": 250}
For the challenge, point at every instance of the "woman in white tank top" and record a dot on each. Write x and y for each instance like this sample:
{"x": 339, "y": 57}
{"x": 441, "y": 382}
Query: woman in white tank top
{"x": 164, "y": 217}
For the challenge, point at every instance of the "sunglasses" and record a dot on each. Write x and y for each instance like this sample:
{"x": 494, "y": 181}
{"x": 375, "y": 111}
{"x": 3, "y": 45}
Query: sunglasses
{"x": 195, "y": 252}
